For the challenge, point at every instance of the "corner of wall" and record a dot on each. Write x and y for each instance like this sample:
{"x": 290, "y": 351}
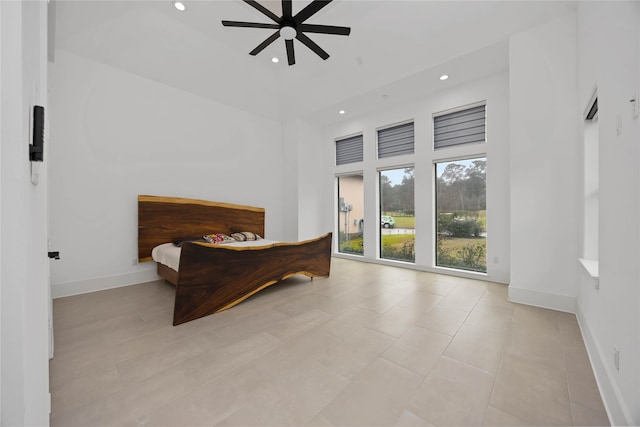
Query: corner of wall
{"x": 59, "y": 290}
{"x": 541, "y": 299}
{"x": 610, "y": 393}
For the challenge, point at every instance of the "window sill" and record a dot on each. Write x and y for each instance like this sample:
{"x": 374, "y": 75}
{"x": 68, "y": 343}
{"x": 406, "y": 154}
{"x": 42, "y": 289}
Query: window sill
{"x": 591, "y": 266}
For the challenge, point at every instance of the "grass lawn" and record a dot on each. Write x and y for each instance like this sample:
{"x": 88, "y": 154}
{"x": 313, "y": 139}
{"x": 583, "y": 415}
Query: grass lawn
{"x": 397, "y": 240}
{"x": 458, "y": 242}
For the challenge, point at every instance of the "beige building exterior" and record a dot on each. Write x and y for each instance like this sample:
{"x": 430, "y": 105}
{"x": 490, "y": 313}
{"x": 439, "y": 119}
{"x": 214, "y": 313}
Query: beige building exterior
{"x": 350, "y": 204}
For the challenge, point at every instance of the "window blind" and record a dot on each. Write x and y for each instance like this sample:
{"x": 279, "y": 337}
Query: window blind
{"x": 349, "y": 150}
{"x": 462, "y": 127}
{"x": 396, "y": 140}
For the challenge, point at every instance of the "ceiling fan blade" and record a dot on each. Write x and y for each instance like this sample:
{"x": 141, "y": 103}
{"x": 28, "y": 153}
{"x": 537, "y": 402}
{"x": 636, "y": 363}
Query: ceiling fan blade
{"x": 287, "y": 10}
{"x": 312, "y": 45}
{"x": 310, "y": 10}
{"x": 275, "y": 18}
{"x": 290, "y": 55}
{"x": 325, "y": 29}
{"x": 249, "y": 24}
{"x": 265, "y": 43}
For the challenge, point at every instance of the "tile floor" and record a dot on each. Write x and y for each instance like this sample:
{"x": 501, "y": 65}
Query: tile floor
{"x": 371, "y": 345}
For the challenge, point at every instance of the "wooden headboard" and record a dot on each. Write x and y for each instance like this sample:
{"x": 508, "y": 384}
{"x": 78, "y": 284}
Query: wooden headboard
{"x": 164, "y": 219}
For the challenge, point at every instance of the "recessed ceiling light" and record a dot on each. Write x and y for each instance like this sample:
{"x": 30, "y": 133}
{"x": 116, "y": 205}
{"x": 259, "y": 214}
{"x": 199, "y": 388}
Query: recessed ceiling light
{"x": 180, "y": 6}
{"x": 341, "y": 112}
{"x": 275, "y": 60}
{"x": 444, "y": 77}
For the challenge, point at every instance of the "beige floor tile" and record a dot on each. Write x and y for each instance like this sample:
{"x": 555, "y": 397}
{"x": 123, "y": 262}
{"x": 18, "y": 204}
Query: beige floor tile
{"x": 464, "y": 296}
{"x": 382, "y": 302}
{"x": 108, "y": 411}
{"x": 584, "y": 416}
{"x": 83, "y": 390}
{"x": 545, "y": 349}
{"x": 298, "y": 324}
{"x": 532, "y": 394}
{"x": 376, "y": 398}
{"x": 418, "y": 350}
{"x": 491, "y": 317}
{"x": 342, "y": 304}
{"x": 409, "y": 419}
{"x": 396, "y": 321}
{"x": 536, "y": 321}
{"x": 570, "y": 331}
{"x": 454, "y": 394}
{"x": 188, "y": 410}
{"x": 301, "y": 305}
{"x": 355, "y": 353}
{"x": 139, "y": 369}
{"x": 293, "y": 399}
{"x": 496, "y": 417}
{"x": 477, "y": 346}
{"x": 446, "y": 320}
{"x": 372, "y": 344}
{"x": 224, "y": 359}
{"x": 344, "y": 324}
{"x": 320, "y": 421}
{"x": 497, "y": 300}
{"x": 294, "y": 352}
{"x": 437, "y": 286}
{"x": 420, "y": 301}
{"x": 583, "y": 388}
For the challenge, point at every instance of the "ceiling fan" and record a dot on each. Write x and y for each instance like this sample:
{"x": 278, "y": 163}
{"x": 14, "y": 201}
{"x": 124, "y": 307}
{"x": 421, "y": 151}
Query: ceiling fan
{"x": 291, "y": 27}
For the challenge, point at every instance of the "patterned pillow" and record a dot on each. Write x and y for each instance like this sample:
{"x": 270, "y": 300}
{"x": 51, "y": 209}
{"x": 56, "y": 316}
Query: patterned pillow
{"x": 244, "y": 236}
{"x": 218, "y": 238}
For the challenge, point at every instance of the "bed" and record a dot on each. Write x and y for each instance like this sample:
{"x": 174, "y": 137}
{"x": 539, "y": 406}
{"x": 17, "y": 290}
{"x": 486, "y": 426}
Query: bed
{"x": 214, "y": 277}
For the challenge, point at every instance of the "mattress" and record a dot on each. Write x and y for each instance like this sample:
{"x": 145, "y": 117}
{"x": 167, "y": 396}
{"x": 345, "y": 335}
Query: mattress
{"x": 169, "y": 254}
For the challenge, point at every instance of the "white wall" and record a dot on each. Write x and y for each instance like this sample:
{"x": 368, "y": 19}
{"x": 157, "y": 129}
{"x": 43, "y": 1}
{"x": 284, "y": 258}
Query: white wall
{"x": 24, "y": 305}
{"x": 304, "y": 176}
{"x": 543, "y": 153}
{"x": 115, "y": 135}
{"x": 608, "y": 57}
{"x": 491, "y": 89}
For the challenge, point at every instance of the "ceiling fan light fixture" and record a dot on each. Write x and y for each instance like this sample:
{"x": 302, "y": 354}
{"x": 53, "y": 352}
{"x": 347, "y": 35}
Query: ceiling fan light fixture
{"x": 275, "y": 60}
{"x": 288, "y": 33}
{"x": 289, "y": 27}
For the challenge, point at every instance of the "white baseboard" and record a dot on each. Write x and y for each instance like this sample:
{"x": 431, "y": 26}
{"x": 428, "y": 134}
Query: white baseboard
{"x": 616, "y": 410}
{"x": 542, "y": 299}
{"x": 59, "y": 290}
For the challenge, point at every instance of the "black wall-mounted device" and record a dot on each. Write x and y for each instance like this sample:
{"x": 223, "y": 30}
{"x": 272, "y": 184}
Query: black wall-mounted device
{"x": 36, "y": 148}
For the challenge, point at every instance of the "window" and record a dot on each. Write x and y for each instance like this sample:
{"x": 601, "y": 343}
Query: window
{"x": 397, "y": 214}
{"x": 591, "y": 181}
{"x": 350, "y": 214}
{"x": 396, "y": 140}
{"x": 349, "y": 150}
{"x": 461, "y": 214}
{"x": 460, "y": 127}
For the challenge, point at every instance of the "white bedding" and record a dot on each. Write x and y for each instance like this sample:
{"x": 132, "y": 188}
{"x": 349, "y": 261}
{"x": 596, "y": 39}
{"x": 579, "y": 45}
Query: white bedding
{"x": 169, "y": 254}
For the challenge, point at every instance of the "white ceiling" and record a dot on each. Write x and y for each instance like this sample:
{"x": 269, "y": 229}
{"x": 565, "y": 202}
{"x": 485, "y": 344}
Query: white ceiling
{"x": 396, "y": 48}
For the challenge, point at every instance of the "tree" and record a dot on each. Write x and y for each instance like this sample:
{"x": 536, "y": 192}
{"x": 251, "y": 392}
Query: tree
{"x": 462, "y": 188}
{"x": 406, "y": 191}
{"x": 476, "y": 185}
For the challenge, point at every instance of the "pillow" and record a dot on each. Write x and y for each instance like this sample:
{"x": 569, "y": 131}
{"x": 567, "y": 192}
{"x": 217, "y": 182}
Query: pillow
{"x": 180, "y": 241}
{"x": 218, "y": 238}
{"x": 244, "y": 236}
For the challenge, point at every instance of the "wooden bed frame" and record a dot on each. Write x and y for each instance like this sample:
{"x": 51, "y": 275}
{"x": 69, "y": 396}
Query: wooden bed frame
{"x": 213, "y": 278}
